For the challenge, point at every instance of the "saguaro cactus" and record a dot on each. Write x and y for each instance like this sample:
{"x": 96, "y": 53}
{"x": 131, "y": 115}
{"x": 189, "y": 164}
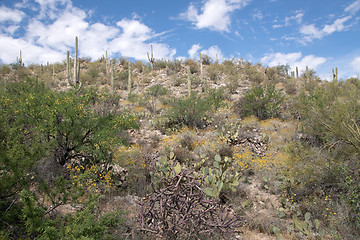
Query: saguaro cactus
{"x": 201, "y": 66}
{"x": 189, "y": 81}
{"x": 130, "y": 83}
{"x": 53, "y": 72}
{"x": 68, "y": 67}
{"x": 335, "y": 74}
{"x": 151, "y": 58}
{"x": 19, "y": 60}
{"x": 75, "y": 78}
{"x": 297, "y": 72}
{"x": 75, "y": 82}
{"x": 112, "y": 77}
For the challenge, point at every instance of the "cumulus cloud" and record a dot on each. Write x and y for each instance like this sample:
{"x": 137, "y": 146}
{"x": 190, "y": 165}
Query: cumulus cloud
{"x": 214, "y": 52}
{"x": 293, "y": 60}
{"x": 11, "y": 15}
{"x": 214, "y": 14}
{"x": 48, "y": 40}
{"x": 30, "y": 53}
{"x": 311, "y": 32}
{"x": 194, "y": 50}
{"x": 355, "y": 64}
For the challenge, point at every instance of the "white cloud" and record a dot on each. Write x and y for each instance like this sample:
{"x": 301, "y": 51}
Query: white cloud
{"x": 52, "y": 8}
{"x": 129, "y": 37}
{"x": 293, "y": 60}
{"x": 311, "y": 32}
{"x": 355, "y": 64}
{"x": 214, "y": 14}
{"x": 11, "y": 15}
{"x": 298, "y": 18}
{"x": 194, "y": 50}
{"x": 353, "y": 8}
{"x": 337, "y": 26}
{"x": 133, "y": 41}
{"x": 214, "y": 52}
{"x": 30, "y": 53}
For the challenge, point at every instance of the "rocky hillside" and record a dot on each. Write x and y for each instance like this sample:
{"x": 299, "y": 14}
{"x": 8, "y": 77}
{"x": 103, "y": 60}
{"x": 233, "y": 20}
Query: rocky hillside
{"x": 179, "y": 150}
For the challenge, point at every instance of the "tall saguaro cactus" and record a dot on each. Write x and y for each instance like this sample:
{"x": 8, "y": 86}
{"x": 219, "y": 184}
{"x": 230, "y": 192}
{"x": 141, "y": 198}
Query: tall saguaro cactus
{"x": 68, "y": 67}
{"x": 112, "y": 77}
{"x": 130, "y": 83}
{"x": 75, "y": 82}
{"x": 189, "y": 81}
{"x": 335, "y": 75}
{"x": 297, "y": 72}
{"x": 201, "y": 66}
{"x": 19, "y": 60}
{"x": 76, "y": 75}
{"x": 151, "y": 58}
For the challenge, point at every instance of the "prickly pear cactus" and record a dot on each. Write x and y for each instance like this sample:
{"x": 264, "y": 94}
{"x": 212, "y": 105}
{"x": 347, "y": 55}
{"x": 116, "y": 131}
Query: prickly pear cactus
{"x": 218, "y": 177}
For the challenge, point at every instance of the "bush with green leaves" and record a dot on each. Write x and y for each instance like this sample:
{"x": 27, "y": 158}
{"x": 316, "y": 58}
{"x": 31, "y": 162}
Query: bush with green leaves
{"x": 193, "y": 111}
{"x": 331, "y": 122}
{"x": 39, "y": 124}
{"x": 263, "y": 102}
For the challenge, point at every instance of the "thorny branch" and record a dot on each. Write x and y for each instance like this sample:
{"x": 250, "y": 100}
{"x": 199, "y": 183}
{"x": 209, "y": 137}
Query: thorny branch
{"x": 181, "y": 208}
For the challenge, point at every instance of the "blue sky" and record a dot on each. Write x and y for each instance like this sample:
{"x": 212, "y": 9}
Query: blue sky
{"x": 321, "y": 34}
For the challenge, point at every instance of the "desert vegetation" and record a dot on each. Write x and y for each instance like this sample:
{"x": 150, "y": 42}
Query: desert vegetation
{"x": 177, "y": 150}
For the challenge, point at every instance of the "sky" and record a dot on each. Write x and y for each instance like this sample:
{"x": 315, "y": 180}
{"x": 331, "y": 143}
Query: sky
{"x": 321, "y": 34}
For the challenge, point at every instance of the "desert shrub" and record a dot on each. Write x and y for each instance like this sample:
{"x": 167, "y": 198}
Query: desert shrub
{"x": 263, "y": 102}
{"x": 206, "y": 60}
{"x": 38, "y": 124}
{"x": 194, "y": 66}
{"x": 156, "y": 90}
{"x": 5, "y": 69}
{"x": 176, "y": 80}
{"x": 174, "y": 66}
{"x": 160, "y": 64}
{"x": 214, "y": 72}
{"x": 122, "y": 80}
{"x": 192, "y": 111}
{"x": 232, "y": 83}
{"x": 81, "y": 225}
{"x": 272, "y": 74}
{"x": 140, "y": 66}
{"x": 188, "y": 111}
{"x": 254, "y": 74}
{"x": 332, "y": 132}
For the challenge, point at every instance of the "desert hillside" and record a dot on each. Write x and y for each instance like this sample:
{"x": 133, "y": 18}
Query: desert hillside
{"x": 193, "y": 149}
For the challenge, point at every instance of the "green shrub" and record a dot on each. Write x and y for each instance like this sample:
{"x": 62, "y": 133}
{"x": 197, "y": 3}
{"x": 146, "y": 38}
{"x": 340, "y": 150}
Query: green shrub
{"x": 193, "y": 111}
{"x": 39, "y": 124}
{"x": 263, "y": 102}
{"x": 194, "y": 66}
{"x": 189, "y": 112}
{"x": 156, "y": 90}
{"x": 330, "y": 118}
{"x": 254, "y": 74}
